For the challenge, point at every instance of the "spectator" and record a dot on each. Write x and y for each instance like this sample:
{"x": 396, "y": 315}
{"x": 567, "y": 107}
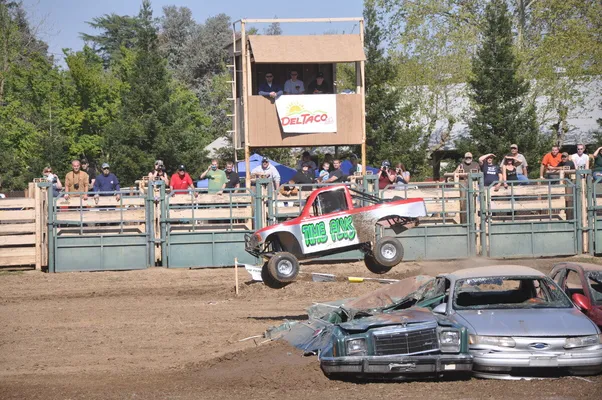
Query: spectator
{"x": 267, "y": 170}
{"x": 337, "y": 175}
{"x": 180, "y": 180}
{"x": 319, "y": 85}
{"x": 293, "y": 85}
{"x": 597, "y": 169}
{"x": 580, "y": 159}
{"x": 355, "y": 166}
{"x": 491, "y": 172}
{"x": 217, "y": 178}
{"x": 76, "y": 181}
{"x": 85, "y": 166}
{"x": 565, "y": 161}
{"x": 549, "y": 164}
{"x": 386, "y": 175}
{"x": 305, "y": 175}
{"x": 520, "y": 162}
{"x": 324, "y": 172}
{"x": 306, "y": 158}
{"x": 232, "y": 178}
{"x": 54, "y": 180}
{"x": 402, "y": 174}
{"x": 159, "y": 173}
{"x": 467, "y": 165}
{"x": 107, "y": 184}
{"x": 269, "y": 88}
{"x": 328, "y": 159}
{"x": 510, "y": 169}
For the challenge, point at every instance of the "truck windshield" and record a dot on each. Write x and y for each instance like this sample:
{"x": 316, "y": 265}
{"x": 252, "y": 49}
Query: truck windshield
{"x": 330, "y": 202}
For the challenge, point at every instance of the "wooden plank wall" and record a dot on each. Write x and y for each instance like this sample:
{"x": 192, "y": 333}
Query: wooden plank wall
{"x": 20, "y": 231}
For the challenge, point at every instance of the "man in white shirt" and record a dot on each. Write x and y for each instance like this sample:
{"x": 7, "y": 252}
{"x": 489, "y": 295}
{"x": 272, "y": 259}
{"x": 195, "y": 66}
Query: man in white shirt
{"x": 293, "y": 85}
{"x": 521, "y": 170}
{"x": 580, "y": 159}
{"x": 267, "y": 170}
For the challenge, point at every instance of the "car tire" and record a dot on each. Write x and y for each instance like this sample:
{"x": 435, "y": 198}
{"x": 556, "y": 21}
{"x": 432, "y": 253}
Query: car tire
{"x": 373, "y": 266}
{"x": 388, "y": 251}
{"x": 283, "y": 267}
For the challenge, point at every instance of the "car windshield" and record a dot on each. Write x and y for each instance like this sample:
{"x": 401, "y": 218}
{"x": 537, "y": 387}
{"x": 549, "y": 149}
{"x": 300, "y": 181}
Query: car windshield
{"x": 509, "y": 292}
{"x": 594, "y": 279}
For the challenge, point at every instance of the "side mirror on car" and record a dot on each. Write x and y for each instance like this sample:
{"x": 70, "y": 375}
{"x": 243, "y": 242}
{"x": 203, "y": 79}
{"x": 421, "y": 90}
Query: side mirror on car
{"x": 440, "y": 309}
{"x": 582, "y": 302}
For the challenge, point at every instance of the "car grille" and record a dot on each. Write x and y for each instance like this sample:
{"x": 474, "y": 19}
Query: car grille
{"x": 406, "y": 342}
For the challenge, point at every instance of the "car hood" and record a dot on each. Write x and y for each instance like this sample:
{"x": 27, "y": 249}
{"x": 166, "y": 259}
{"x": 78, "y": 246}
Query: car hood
{"x": 403, "y": 317}
{"x": 531, "y": 322}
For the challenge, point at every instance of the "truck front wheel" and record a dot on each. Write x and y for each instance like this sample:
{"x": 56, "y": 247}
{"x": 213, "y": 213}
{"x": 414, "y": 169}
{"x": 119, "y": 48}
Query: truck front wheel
{"x": 283, "y": 267}
{"x": 387, "y": 253}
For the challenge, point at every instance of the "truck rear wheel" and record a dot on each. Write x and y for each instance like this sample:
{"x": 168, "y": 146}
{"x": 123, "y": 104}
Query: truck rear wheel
{"x": 388, "y": 251}
{"x": 374, "y": 266}
{"x": 283, "y": 267}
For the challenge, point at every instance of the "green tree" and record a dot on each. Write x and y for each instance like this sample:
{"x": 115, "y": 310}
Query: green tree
{"x": 118, "y": 31}
{"x": 389, "y": 131}
{"x": 501, "y": 116}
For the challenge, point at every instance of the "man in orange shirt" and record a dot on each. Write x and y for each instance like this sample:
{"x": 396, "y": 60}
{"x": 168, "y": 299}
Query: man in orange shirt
{"x": 549, "y": 164}
{"x": 180, "y": 180}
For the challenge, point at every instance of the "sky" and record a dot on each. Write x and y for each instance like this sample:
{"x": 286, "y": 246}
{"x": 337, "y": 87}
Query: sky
{"x": 60, "y": 22}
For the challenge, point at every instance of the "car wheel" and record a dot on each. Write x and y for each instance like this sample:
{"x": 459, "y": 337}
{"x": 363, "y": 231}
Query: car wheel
{"x": 283, "y": 267}
{"x": 388, "y": 251}
{"x": 373, "y": 266}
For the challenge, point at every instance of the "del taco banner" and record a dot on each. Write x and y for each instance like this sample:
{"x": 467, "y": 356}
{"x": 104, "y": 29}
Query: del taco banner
{"x": 315, "y": 113}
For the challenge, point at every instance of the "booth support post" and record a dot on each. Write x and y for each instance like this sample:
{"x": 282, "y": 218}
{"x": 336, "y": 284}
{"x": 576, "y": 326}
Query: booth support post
{"x": 362, "y": 91}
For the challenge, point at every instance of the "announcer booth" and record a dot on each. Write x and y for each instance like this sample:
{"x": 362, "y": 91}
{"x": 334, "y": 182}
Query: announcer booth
{"x": 297, "y": 120}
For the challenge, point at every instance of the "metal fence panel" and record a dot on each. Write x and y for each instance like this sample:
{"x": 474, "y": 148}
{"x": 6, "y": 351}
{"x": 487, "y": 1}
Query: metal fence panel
{"x": 207, "y": 249}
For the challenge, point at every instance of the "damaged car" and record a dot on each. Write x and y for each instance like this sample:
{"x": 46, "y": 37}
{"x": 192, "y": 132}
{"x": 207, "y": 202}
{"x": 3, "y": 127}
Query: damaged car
{"x": 388, "y": 334}
{"x": 520, "y": 324}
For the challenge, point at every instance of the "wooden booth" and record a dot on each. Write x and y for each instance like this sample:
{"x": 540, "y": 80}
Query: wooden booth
{"x": 296, "y": 120}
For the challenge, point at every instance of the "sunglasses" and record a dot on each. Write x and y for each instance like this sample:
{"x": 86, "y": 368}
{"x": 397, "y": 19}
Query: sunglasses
{"x": 49, "y": 171}
{"x": 269, "y": 76}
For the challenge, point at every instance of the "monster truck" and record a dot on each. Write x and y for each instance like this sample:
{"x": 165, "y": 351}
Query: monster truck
{"x": 335, "y": 219}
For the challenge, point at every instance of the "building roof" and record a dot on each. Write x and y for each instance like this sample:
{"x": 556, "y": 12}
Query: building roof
{"x": 282, "y": 49}
{"x": 495, "y": 271}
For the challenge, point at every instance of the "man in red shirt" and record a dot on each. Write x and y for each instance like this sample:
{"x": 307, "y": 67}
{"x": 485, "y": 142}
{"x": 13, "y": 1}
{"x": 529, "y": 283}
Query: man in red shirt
{"x": 549, "y": 164}
{"x": 180, "y": 180}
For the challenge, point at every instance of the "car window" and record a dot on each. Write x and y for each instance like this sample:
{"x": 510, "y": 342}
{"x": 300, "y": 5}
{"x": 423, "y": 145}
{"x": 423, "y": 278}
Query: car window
{"x": 594, "y": 280}
{"x": 331, "y": 201}
{"x": 572, "y": 283}
{"x": 508, "y": 292}
{"x": 559, "y": 276}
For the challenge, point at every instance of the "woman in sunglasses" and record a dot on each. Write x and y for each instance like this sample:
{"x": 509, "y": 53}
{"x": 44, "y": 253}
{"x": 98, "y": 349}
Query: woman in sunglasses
{"x": 54, "y": 179}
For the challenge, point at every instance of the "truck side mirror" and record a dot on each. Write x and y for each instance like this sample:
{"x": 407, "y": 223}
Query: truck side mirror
{"x": 440, "y": 309}
{"x": 582, "y": 302}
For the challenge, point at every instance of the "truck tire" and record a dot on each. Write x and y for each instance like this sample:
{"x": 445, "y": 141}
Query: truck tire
{"x": 373, "y": 266}
{"x": 283, "y": 267}
{"x": 388, "y": 251}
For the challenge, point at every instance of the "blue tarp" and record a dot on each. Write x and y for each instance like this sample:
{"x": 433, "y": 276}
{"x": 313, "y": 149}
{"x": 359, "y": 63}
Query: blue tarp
{"x": 346, "y": 166}
{"x": 286, "y": 173}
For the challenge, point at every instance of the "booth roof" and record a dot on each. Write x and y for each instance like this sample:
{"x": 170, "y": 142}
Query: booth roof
{"x": 282, "y": 49}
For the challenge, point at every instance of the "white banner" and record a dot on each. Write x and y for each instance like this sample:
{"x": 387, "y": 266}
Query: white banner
{"x": 312, "y": 113}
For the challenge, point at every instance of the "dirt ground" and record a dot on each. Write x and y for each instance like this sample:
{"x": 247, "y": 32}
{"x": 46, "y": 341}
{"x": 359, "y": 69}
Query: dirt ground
{"x": 176, "y": 334}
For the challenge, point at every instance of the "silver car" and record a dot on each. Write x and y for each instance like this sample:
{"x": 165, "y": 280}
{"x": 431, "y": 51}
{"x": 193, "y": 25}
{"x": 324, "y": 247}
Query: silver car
{"x": 520, "y": 323}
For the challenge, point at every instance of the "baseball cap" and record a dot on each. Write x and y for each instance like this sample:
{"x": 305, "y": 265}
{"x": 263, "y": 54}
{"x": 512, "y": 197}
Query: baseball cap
{"x": 468, "y": 154}
{"x": 353, "y": 156}
{"x": 84, "y": 161}
{"x": 386, "y": 164}
{"x": 158, "y": 162}
{"x": 105, "y": 165}
{"x": 513, "y": 146}
{"x": 306, "y": 164}
{"x": 181, "y": 167}
{"x": 565, "y": 154}
{"x": 265, "y": 159}
{"x": 320, "y": 75}
{"x": 306, "y": 153}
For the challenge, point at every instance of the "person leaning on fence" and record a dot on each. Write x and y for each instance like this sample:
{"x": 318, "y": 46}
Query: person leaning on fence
{"x": 181, "y": 181}
{"x": 510, "y": 169}
{"x": 356, "y": 167}
{"x": 549, "y": 164}
{"x": 267, "y": 170}
{"x": 491, "y": 171}
{"x": 597, "y": 167}
{"x": 319, "y": 85}
{"x": 467, "y": 165}
{"x": 53, "y": 180}
{"x": 522, "y": 174}
{"x": 294, "y": 85}
{"x": 337, "y": 176}
{"x": 232, "y": 178}
{"x": 402, "y": 175}
{"x": 91, "y": 171}
{"x": 159, "y": 174}
{"x": 580, "y": 159}
{"x": 386, "y": 175}
{"x": 566, "y": 162}
{"x": 76, "y": 181}
{"x": 107, "y": 183}
{"x": 269, "y": 88}
{"x": 305, "y": 175}
{"x": 216, "y": 177}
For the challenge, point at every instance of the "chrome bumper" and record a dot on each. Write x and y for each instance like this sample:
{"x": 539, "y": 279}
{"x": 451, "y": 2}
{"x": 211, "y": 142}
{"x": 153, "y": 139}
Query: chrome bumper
{"x": 537, "y": 359}
{"x": 396, "y": 365}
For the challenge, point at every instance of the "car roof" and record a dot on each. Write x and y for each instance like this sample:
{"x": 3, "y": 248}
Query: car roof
{"x": 585, "y": 266}
{"x": 495, "y": 270}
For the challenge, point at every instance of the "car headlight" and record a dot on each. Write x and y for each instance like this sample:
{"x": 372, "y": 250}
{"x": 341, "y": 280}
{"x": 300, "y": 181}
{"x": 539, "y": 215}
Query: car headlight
{"x": 582, "y": 341}
{"x": 449, "y": 341}
{"x": 502, "y": 341}
{"x": 356, "y": 347}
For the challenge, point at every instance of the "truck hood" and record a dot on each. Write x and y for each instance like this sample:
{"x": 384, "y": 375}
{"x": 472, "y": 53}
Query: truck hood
{"x": 403, "y": 317}
{"x": 530, "y": 322}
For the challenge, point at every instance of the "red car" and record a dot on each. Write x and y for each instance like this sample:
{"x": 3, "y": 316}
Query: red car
{"x": 583, "y": 284}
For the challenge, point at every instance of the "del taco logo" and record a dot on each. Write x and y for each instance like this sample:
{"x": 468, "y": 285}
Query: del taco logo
{"x": 298, "y": 115}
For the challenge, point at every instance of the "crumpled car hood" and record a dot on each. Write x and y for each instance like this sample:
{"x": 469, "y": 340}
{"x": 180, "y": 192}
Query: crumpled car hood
{"x": 529, "y": 322}
{"x": 410, "y": 316}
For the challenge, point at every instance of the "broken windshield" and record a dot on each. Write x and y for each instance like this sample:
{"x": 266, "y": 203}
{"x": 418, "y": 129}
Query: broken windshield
{"x": 594, "y": 279}
{"x": 508, "y": 292}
